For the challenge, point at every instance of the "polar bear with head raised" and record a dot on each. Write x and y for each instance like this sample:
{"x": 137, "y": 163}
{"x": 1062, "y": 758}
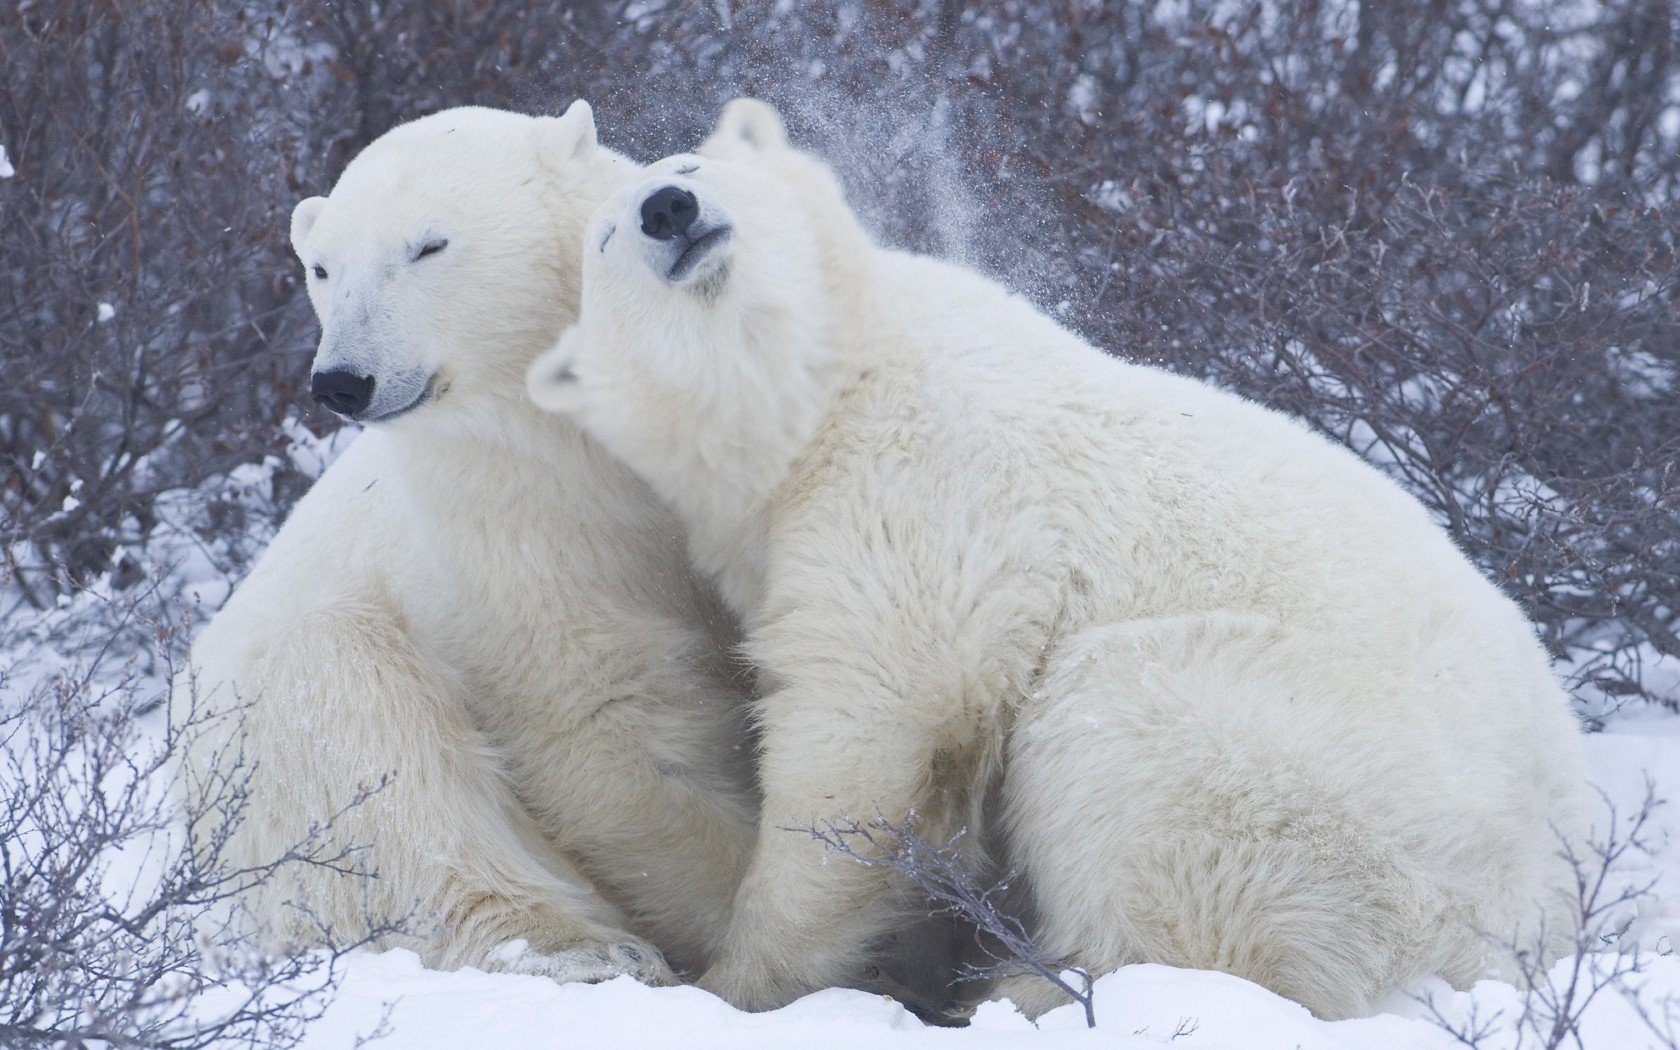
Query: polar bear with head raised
{"x": 1219, "y": 691}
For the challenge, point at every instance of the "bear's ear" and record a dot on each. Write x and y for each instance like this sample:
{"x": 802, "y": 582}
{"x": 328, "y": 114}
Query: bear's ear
{"x": 747, "y": 125}
{"x": 551, "y": 380}
{"x": 303, "y": 220}
{"x": 569, "y": 138}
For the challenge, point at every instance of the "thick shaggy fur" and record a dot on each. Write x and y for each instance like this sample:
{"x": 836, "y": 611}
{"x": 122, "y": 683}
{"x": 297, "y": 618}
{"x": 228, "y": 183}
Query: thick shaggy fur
{"x": 1240, "y": 704}
{"x": 477, "y": 601}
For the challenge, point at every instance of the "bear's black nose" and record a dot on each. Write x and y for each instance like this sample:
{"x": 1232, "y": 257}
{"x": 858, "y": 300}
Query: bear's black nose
{"x": 344, "y": 392}
{"x": 668, "y": 212}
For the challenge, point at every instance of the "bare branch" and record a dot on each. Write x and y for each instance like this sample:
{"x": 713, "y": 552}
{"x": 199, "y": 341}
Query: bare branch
{"x": 952, "y": 888}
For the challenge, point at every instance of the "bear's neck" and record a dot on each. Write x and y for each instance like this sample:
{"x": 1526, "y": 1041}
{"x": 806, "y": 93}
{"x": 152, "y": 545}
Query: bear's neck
{"x": 486, "y": 454}
{"x": 725, "y": 466}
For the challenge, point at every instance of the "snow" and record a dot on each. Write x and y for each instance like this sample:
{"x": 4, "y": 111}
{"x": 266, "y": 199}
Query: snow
{"x": 106, "y": 312}
{"x": 1137, "y": 1007}
{"x": 1145, "y": 1006}
{"x": 1635, "y": 748}
{"x": 1111, "y": 196}
{"x": 1082, "y": 97}
{"x": 6, "y": 169}
{"x": 1645, "y": 374}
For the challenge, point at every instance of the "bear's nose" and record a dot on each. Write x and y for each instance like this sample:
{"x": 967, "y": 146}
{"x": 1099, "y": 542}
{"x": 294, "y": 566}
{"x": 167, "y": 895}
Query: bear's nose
{"x": 669, "y": 212}
{"x": 344, "y": 392}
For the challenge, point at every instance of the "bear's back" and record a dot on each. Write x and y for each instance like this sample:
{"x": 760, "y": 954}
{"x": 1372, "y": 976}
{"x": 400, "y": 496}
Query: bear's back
{"x": 1176, "y": 486}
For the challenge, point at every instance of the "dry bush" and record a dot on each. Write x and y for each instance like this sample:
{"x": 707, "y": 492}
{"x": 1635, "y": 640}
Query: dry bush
{"x": 1443, "y": 236}
{"x": 1603, "y": 961}
{"x": 111, "y": 933}
{"x": 149, "y": 337}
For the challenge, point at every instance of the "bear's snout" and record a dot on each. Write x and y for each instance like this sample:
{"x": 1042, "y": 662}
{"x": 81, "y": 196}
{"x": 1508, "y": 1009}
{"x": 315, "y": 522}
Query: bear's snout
{"x": 669, "y": 212}
{"x": 341, "y": 390}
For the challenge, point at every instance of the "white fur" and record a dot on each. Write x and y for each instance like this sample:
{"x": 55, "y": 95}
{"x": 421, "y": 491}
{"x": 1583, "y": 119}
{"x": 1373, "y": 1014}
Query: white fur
{"x": 1220, "y": 691}
{"x": 476, "y": 601}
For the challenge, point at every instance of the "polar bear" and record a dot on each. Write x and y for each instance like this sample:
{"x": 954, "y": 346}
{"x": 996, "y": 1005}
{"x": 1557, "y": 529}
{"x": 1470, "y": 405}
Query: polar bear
{"x": 1220, "y": 692}
{"x": 477, "y": 601}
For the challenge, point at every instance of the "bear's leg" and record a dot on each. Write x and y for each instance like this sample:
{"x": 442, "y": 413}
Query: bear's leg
{"x": 805, "y": 919}
{"x": 340, "y": 700}
{"x": 655, "y": 790}
{"x": 1175, "y": 795}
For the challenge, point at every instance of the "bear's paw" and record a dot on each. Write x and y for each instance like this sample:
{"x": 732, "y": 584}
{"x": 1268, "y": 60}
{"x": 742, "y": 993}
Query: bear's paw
{"x": 587, "y": 961}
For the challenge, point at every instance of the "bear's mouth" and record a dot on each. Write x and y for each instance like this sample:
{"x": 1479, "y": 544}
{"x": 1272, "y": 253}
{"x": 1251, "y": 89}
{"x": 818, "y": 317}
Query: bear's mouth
{"x": 697, "y": 251}
{"x": 424, "y": 396}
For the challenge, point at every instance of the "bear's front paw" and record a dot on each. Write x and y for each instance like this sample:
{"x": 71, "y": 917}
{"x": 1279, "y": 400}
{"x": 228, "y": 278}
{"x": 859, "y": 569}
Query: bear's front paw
{"x": 588, "y": 961}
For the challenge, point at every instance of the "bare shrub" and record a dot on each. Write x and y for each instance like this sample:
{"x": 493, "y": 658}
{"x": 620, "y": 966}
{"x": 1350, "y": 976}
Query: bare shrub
{"x": 1444, "y": 240}
{"x": 111, "y": 931}
{"x": 1601, "y": 961}
{"x": 150, "y": 337}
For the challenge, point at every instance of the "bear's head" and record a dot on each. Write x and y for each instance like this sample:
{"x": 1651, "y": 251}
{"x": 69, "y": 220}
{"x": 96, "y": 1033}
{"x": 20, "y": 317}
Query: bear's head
{"x": 722, "y": 296}
{"x": 446, "y": 257}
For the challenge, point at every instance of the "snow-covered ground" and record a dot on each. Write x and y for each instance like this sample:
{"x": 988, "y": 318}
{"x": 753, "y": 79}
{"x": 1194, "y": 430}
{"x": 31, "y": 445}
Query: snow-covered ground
{"x": 1140, "y": 1006}
{"x": 1636, "y": 756}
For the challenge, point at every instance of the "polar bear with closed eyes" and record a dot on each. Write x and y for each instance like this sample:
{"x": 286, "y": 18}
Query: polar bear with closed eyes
{"x": 1220, "y": 692}
{"x": 475, "y": 603}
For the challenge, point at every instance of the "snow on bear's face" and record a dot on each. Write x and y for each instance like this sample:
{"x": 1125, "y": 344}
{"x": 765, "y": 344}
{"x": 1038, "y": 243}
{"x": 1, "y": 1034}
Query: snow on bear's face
{"x": 445, "y": 257}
